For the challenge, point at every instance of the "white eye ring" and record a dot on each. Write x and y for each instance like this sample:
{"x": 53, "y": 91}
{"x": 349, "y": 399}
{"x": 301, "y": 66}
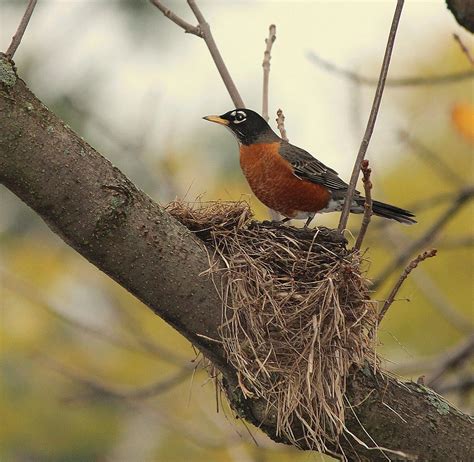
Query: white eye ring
{"x": 240, "y": 117}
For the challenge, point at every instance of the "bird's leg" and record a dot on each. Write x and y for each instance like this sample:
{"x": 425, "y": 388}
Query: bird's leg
{"x": 308, "y": 221}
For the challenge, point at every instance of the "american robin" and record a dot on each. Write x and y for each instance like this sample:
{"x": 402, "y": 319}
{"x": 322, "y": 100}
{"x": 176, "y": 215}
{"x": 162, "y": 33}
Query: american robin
{"x": 288, "y": 179}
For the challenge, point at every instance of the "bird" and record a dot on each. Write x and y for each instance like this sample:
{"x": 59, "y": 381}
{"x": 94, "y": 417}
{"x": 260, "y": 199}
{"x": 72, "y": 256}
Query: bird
{"x": 288, "y": 179}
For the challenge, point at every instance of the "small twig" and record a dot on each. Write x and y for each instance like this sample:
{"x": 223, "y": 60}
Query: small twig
{"x": 203, "y": 30}
{"x": 432, "y": 159}
{"x": 275, "y": 216}
{"x": 464, "y": 49}
{"x": 280, "y": 120}
{"x": 395, "y": 239}
{"x": 366, "y": 171}
{"x": 16, "y": 39}
{"x": 452, "y": 360}
{"x": 428, "y": 237}
{"x": 392, "y": 82}
{"x": 372, "y": 118}
{"x": 186, "y": 26}
{"x": 216, "y": 56}
{"x": 410, "y": 267}
{"x": 266, "y": 68}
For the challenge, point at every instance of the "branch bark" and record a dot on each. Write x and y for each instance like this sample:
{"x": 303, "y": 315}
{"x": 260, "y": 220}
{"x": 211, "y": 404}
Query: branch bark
{"x": 96, "y": 210}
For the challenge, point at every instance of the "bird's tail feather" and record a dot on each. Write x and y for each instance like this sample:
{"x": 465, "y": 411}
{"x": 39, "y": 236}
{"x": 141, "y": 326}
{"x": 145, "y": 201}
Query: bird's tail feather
{"x": 390, "y": 211}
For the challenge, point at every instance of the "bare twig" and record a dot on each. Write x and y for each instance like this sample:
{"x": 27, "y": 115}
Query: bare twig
{"x": 266, "y": 68}
{"x": 421, "y": 205}
{"x": 372, "y": 118}
{"x": 393, "y": 82}
{"x": 280, "y": 120}
{"x": 432, "y": 159}
{"x": 186, "y": 26}
{"x": 16, "y": 39}
{"x": 216, "y": 56}
{"x": 428, "y": 237}
{"x": 464, "y": 49}
{"x": 410, "y": 267}
{"x": 395, "y": 239}
{"x": 274, "y": 215}
{"x": 203, "y": 30}
{"x": 452, "y": 360}
{"x": 366, "y": 171}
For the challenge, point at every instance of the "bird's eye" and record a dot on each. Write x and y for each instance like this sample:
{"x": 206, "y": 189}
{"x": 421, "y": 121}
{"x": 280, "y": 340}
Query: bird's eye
{"x": 240, "y": 116}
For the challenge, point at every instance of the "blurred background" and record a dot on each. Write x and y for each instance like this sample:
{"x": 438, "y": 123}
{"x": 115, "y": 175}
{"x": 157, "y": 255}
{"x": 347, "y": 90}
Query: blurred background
{"x": 88, "y": 372}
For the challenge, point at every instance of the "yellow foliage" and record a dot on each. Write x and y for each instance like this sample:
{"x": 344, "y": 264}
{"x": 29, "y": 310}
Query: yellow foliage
{"x": 462, "y": 116}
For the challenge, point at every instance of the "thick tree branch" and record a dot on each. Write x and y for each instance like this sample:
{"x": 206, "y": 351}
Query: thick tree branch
{"x": 101, "y": 214}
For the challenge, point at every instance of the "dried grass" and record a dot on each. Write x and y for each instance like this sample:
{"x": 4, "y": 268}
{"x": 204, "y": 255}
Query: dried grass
{"x": 297, "y": 318}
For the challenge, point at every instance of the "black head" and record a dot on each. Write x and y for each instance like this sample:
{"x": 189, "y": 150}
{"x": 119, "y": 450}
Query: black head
{"x": 246, "y": 125}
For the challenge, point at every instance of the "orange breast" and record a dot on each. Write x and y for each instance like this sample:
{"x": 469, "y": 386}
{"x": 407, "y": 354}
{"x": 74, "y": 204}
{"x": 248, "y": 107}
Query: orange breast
{"x": 273, "y": 182}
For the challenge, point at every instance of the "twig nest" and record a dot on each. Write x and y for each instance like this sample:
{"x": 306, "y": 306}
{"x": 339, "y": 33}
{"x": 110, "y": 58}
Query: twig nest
{"x": 297, "y": 315}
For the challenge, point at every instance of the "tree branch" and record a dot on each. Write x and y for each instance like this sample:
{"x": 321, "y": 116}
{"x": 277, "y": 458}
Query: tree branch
{"x": 93, "y": 207}
{"x": 203, "y": 30}
{"x": 464, "y": 49}
{"x": 266, "y": 68}
{"x": 427, "y": 238}
{"x": 366, "y": 171}
{"x": 16, "y": 39}
{"x": 186, "y": 26}
{"x": 410, "y": 267}
{"x": 372, "y": 118}
{"x": 216, "y": 56}
{"x": 280, "y": 120}
{"x": 392, "y": 82}
{"x": 452, "y": 360}
{"x": 432, "y": 159}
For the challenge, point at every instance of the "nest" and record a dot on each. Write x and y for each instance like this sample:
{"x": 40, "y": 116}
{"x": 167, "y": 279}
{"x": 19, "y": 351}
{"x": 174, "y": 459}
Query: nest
{"x": 297, "y": 315}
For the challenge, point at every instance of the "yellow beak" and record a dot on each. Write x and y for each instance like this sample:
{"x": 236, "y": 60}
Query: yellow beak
{"x": 216, "y": 119}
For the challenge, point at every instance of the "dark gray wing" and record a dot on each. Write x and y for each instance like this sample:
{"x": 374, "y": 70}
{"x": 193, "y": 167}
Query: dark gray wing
{"x": 306, "y": 167}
